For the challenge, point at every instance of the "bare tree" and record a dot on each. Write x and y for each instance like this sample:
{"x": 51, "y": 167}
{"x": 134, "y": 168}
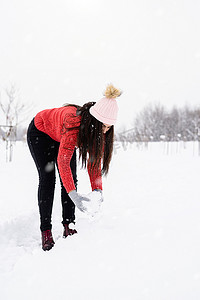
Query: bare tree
{"x": 13, "y": 110}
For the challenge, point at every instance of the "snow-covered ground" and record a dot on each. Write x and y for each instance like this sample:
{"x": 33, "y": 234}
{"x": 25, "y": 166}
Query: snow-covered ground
{"x": 144, "y": 244}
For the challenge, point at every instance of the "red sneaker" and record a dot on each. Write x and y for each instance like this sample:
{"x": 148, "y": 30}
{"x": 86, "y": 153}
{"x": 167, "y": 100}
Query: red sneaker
{"x": 47, "y": 240}
{"x": 68, "y": 231}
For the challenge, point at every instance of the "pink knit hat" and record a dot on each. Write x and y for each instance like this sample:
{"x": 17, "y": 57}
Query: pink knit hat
{"x": 105, "y": 110}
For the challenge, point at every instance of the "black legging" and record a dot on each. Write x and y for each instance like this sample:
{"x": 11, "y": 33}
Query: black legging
{"x": 44, "y": 151}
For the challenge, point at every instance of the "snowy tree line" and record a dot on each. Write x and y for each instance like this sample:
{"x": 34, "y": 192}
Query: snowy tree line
{"x": 155, "y": 123}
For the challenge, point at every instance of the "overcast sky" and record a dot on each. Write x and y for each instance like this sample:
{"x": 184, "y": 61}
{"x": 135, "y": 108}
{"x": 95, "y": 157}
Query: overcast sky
{"x": 67, "y": 51}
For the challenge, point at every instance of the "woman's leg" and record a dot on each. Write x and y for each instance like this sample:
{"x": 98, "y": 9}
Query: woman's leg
{"x": 44, "y": 151}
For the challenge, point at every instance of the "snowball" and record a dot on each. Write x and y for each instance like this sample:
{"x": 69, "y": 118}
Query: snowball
{"x": 94, "y": 203}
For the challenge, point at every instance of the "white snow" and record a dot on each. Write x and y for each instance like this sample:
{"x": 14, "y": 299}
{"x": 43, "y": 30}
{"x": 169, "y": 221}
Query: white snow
{"x": 144, "y": 244}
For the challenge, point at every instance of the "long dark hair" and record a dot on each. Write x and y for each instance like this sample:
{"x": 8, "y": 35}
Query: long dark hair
{"x": 93, "y": 144}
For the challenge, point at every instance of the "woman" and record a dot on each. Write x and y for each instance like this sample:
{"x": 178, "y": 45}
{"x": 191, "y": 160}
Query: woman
{"x": 53, "y": 136}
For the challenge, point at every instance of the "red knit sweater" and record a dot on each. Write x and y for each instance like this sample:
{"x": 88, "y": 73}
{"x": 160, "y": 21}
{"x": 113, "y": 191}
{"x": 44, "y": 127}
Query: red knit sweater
{"x": 50, "y": 121}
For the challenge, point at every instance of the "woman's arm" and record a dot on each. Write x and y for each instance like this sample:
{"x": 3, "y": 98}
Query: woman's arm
{"x": 66, "y": 150}
{"x": 95, "y": 177}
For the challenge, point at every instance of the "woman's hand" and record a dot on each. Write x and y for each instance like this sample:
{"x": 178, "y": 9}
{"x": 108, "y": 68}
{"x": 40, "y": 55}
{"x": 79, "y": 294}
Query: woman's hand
{"x": 78, "y": 200}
